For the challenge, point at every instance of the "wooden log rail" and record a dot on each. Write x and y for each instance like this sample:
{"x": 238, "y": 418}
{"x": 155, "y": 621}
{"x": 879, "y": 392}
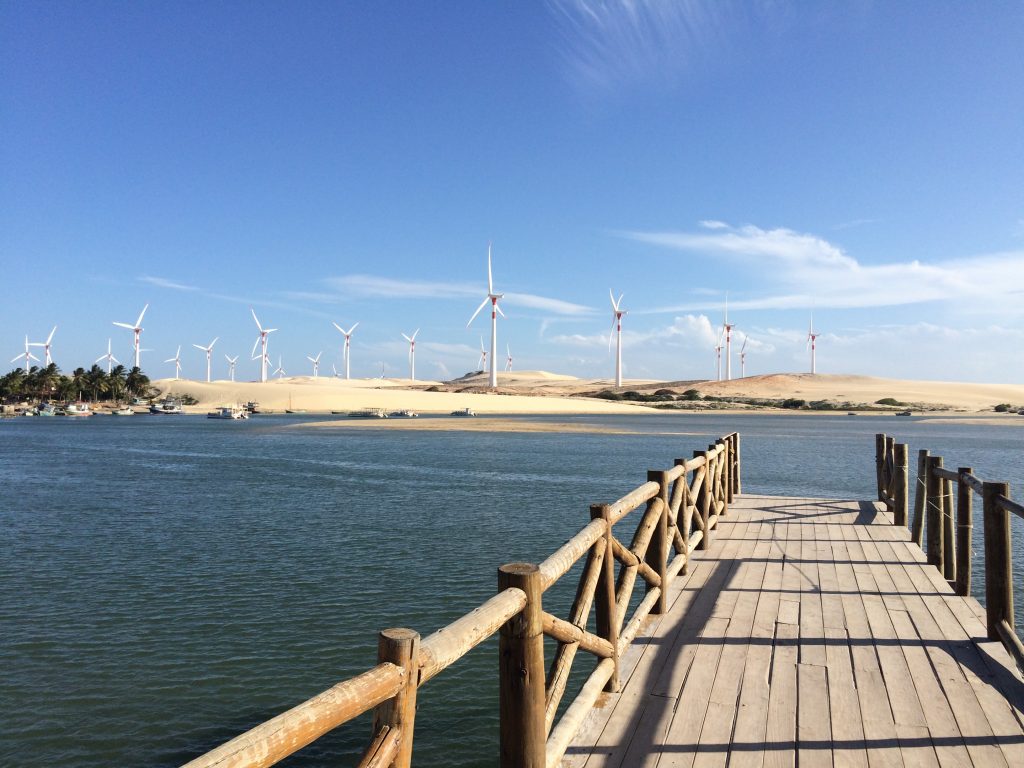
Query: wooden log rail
{"x": 680, "y": 507}
{"x": 946, "y": 534}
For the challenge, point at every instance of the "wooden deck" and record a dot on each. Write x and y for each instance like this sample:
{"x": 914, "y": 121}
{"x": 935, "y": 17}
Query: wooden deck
{"x": 810, "y": 633}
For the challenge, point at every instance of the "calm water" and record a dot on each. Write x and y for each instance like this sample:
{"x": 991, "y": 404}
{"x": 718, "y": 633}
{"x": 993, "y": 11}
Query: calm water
{"x": 166, "y": 583}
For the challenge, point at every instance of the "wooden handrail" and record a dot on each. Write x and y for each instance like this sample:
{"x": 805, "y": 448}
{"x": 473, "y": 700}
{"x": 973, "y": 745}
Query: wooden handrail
{"x": 693, "y": 493}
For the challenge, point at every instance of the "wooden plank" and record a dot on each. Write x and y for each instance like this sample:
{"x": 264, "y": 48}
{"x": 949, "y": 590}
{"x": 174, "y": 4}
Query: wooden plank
{"x": 780, "y": 731}
{"x": 849, "y": 748}
{"x": 814, "y": 728}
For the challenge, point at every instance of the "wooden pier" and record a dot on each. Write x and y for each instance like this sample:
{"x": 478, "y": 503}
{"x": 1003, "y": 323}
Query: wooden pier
{"x": 727, "y": 629}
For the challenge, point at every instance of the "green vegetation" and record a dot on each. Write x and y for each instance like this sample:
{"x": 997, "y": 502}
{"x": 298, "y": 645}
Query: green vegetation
{"x": 890, "y": 401}
{"x": 1003, "y": 408}
{"x": 184, "y": 398}
{"x": 49, "y": 384}
{"x": 692, "y": 394}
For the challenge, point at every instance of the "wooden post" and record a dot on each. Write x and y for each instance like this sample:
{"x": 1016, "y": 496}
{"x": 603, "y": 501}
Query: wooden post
{"x": 730, "y": 469}
{"x": 899, "y": 515}
{"x": 933, "y": 511}
{"x": 521, "y": 672}
{"x": 920, "y": 495}
{"x": 703, "y": 500}
{"x": 722, "y": 470}
{"x": 888, "y": 473}
{"x": 739, "y": 463}
{"x": 657, "y": 549}
{"x": 879, "y": 463}
{"x": 401, "y": 648}
{"x": 604, "y": 596}
{"x": 682, "y": 522}
{"x": 964, "y": 532}
{"x": 948, "y": 533}
{"x": 998, "y": 559}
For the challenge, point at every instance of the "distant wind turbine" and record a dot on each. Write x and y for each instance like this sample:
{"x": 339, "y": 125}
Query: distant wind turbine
{"x": 231, "y": 365}
{"x": 412, "y": 353}
{"x": 280, "y": 368}
{"x": 718, "y": 357}
{"x": 617, "y": 314}
{"x": 482, "y": 362}
{"x": 508, "y": 359}
{"x": 812, "y": 339}
{"x": 177, "y": 363}
{"x": 209, "y": 352}
{"x": 109, "y": 357}
{"x": 46, "y": 345}
{"x": 27, "y": 355}
{"x": 495, "y": 311}
{"x": 137, "y": 330}
{"x": 346, "y": 354}
{"x": 743, "y": 357}
{"x": 335, "y": 369}
{"x": 727, "y": 328}
{"x": 261, "y": 340}
{"x": 316, "y": 363}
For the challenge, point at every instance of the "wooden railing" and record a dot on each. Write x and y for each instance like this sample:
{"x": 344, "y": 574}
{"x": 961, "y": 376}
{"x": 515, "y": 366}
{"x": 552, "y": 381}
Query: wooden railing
{"x": 946, "y": 533}
{"x": 681, "y": 507}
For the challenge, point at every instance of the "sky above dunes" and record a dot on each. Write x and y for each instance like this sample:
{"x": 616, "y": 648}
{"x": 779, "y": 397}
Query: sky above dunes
{"x": 344, "y": 162}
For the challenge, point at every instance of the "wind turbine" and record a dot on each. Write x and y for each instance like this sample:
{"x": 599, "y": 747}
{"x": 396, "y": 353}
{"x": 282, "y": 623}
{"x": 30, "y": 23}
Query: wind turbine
{"x": 316, "y": 363}
{"x": 27, "y": 354}
{"x": 727, "y": 327}
{"x": 280, "y": 369}
{"x": 508, "y": 360}
{"x": 46, "y": 345}
{"x": 261, "y": 340}
{"x": 495, "y": 311}
{"x": 348, "y": 340}
{"x": 335, "y": 369}
{"x": 231, "y": 365}
{"x": 812, "y": 338}
{"x": 743, "y": 357}
{"x": 482, "y": 362}
{"x": 177, "y": 363}
{"x": 209, "y": 351}
{"x": 137, "y": 330}
{"x": 412, "y": 353}
{"x": 109, "y": 357}
{"x": 617, "y": 313}
{"x": 718, "y": 357}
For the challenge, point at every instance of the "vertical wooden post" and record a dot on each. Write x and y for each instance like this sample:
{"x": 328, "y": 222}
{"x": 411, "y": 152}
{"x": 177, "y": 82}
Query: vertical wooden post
{"x": 703, "y": 501}
{"x": 888, "y": 473}
{"x": 948, "y": 533}
{"x": 401, "y": 647}
{"x": 920, "y": 497}
{"x": 657, "y": 550}
{"x": 730, "y": 466}
{"x": 964, "y": 532}
{"x": 604, "y": 597}
{"x": 934, "y": 512}
{"x": 722, "y": 470}
{"x": 739, "y": 463}
{"x": 998, "y": 559}
{"x": 899, "y": 516}
{"x": 879, "y": 463}
{"x": 683, "y": 523}
{"x": 521, "y": 672}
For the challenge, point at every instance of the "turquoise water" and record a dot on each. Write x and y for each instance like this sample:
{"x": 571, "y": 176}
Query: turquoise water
{"x": 168, "y": 582}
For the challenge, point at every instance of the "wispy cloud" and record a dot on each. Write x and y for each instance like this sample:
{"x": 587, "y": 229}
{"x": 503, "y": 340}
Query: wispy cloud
{"x": 162, "y": 282}
{"x": 853, "y": 223}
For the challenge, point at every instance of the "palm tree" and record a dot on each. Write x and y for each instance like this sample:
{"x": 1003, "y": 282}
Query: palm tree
{"x": 96, "y": 378}
{"x": 116, "y": 380}
{"x": 47, "y": 381}
{"x": 12, "y": 384}
{"x": 78, "y": 382}
{"x": 137, "y": 382}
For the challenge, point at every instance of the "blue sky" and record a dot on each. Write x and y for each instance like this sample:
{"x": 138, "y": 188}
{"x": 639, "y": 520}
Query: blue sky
{"x": 350, "y": 162}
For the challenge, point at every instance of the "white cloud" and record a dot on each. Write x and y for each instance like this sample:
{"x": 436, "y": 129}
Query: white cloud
{"x": 162, "y": 282}
{"x": 554, "y": 306}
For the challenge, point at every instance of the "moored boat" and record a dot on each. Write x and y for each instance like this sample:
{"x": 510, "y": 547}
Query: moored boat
{"x": 124, "y": 410}
{"x": 168, "y": 406}
{"x": 405, "y": 413}
{"x": 464, "y": 412}
{"x": 77, "y": 409}
{"x": 229, "y": 413}
{"x": 369, "y": 413}
{"x": 47, "y": 409}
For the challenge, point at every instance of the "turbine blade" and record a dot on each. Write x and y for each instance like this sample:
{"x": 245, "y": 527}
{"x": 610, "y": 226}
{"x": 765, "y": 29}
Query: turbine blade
{"x": 256, "y": 319}
{"x": 414, "y": 334}
{"x": 214, "y": 342}
{"x": 406, "y": 338}
{"x": 115, "y": 359}
{"x": 253, "y": 353}
{"x": 101, "y": 357}
{"x": 125, "y": 325}
{"x": 490, "y": 278}
{"x": 352, "y": 329}
{"x": 342, "y": 330}
{"x": 611, "y": 297}
{"x": 138, "y": 323}
{"x": 612, "y": 332}
{"x": 498, "y": 309}
{"x": 482, "y": 305}
{"x": 50, "y": 337}
{"x": 199, "y": 347}
{"x": 270, "y": 330}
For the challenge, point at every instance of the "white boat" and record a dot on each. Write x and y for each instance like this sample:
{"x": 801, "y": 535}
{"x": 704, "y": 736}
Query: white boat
{"x": 47, "y": 409}
{"x": 229, "y": 412}
{"x": 167, "y": 405}
{"x": 403, "y": 414}
{"x": 369, "y": 413}
{"x": 464, "y": 412}
{"x": 122, "y": 411}
{"x": 77, "y": 409}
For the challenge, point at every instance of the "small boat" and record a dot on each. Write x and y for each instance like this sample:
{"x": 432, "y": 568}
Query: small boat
{"x": 167, "y": 406}
{"x": 252, "y": 406}
{"x": 229, "y": 412}
{"x": 77, "y": 409}
{"x": 124, "y": 410}
{"x": 851, "y": 413}
{"x": 294, "y": 410}
{"x": 47, "y": 409}
{"x": 405, "y": 413}
{"x": 904, "y": 413}
{"x": 464, "y": 412}
{"x": 369, "y": 413}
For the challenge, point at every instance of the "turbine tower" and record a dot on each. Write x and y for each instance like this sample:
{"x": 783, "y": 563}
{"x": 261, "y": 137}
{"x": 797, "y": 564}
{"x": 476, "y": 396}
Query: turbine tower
{"x": 261, "y": 340}
{"x": 316, "y": 363}
{"x": 348, "y": 341}
{"x": 177, "y": 363}
{"x": 27, "y": 354}
{"x": 231, "y": 365}
{"x": 412, "y": 353}
{"x": 209, "y": 352}
{"x": 482, "y": 362}
{"x": 508, "y": 359}
{"x": 617, "y": 314}
{"x": 495, "y": 311}
{"x": 727, "y": 327}
{"x": 109, "y": 357}
{"x": 137, "y": 330}
{"x": 812, "y": 338}
{"x": 743, "y": 357}
{"x": 718, "y": 358}
{"x": 46, "y": 345}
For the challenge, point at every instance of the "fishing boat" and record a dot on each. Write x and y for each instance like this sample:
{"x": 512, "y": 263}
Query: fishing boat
{"x": 77, "y": 409}
{"x": 405, "y": 413}
{"x": 47, "y": 409}
{"x": 167, "y": 406}
{"x": 252, "y": 407}
{"x": 464, "y": 412}
{"x": 369, "y": 413}
{"x": 124, "y": 410}
{"x": 229, "y": 413}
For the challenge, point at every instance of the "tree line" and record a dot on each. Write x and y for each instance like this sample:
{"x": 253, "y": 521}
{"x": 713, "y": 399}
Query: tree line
{"x": 48, "y": 383}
